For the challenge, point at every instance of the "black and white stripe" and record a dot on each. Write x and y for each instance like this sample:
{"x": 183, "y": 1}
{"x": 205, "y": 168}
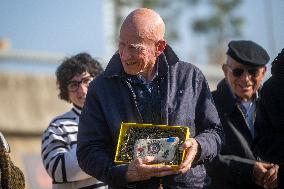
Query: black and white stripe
{"x": 58, "y": 151}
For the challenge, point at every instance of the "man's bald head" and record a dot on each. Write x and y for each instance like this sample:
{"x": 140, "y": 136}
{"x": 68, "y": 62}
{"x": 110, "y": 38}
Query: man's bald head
{"x": 146, "y": 23}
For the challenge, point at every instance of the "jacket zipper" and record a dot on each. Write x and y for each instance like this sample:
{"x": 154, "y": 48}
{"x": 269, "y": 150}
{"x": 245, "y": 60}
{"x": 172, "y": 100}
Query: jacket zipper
{"x": 243, "y": 115}
{"x": 134, "y": 99}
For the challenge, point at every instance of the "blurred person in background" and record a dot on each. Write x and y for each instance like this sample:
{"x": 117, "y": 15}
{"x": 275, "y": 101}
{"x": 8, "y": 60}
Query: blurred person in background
{"x": 236, "y": 99}
{"x": 145, "y": 82}
{"x": 59, "y": 140}
{"x": 11, "y": 177}
{"x": 269, "y": 125}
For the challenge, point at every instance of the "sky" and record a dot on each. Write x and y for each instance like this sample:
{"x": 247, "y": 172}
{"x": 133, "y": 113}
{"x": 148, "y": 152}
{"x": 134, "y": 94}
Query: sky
{"x": 55, "y": 26}
{"x": 58, "y": 27}
{"x": 265, "y": 23}
{"x": 72, "y": 26}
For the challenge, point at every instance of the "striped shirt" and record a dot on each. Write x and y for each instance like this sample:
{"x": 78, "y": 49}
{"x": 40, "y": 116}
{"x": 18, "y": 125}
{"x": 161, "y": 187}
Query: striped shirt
{"x": 58, "y": 152}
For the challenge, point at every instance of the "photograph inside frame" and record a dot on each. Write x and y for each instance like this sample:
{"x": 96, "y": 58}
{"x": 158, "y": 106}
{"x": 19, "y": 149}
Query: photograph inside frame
{"x": 159, "y": 141}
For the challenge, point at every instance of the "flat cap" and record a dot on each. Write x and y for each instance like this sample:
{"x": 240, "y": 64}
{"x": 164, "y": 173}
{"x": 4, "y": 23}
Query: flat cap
{"x": 248, "y": 53}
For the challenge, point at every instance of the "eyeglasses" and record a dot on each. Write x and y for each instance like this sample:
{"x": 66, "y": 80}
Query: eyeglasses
{"x": 238, "y": 72}
{"x": 73, "y": 86}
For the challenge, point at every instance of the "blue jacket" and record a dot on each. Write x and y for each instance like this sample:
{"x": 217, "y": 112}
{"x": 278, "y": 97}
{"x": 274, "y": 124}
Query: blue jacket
{"x": 185, "y": 99}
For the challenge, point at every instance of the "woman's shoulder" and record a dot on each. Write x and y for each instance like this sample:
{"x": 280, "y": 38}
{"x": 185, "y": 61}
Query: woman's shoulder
{"x": 3, "y": 143}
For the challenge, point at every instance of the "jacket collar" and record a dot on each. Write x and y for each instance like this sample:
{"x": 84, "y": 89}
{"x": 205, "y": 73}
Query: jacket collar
{"x": 228, "y": 98}
{"x": 115, "y": 68}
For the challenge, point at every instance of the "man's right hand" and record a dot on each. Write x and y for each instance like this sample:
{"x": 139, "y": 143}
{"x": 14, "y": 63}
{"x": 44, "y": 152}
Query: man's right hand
{"x": 140, "y": 169}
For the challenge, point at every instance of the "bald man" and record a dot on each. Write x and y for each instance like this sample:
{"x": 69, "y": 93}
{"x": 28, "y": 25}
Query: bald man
{"x": 145, "y": 82}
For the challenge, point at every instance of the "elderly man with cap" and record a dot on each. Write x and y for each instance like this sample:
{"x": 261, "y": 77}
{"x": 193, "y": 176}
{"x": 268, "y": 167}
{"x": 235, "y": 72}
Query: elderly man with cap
{"x": 236, "y": 100}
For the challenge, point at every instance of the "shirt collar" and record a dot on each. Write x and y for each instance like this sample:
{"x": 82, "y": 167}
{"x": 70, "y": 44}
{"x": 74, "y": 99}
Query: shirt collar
{"x": 254, "y": 98}
{"x": 77, "y": 109}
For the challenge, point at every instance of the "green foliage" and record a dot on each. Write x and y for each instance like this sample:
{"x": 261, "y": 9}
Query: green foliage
{"x": 219, "y": 26}
{"x": 222, "y": 21}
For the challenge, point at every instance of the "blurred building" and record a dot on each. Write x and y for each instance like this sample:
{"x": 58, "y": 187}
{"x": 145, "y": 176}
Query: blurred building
{"x": 28, "y": 102}
{"x": 28, "y": 94}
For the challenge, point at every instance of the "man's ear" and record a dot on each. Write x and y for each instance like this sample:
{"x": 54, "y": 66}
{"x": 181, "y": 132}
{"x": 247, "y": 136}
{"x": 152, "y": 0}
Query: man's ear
{"x": 264, "y": 70}
{"x": 225, "y": 70}
{"x": 160, "y": 47}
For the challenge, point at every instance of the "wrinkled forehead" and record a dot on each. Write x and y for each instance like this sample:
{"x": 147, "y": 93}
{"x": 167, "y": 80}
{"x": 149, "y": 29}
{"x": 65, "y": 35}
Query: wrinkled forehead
{"x": 133, "y": 38}
{"x": 134, "y": 33}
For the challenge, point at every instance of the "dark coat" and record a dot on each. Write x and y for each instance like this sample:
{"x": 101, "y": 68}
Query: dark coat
{"x": 233, "y": 167}
{"x": 269, "y": 124}
{"x": 185, "y": 100}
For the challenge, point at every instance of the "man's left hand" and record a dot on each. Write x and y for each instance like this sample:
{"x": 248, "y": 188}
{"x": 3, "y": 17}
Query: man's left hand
{"x": 192, "y": 148}
{"x": 270, "y": 179}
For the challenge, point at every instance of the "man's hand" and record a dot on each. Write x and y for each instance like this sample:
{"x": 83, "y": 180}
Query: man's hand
{"x": 139, "y": 169}
{"x": 192, "y": 148}
{"x": 270, "y": 178}
{"x": 259, "y": 171}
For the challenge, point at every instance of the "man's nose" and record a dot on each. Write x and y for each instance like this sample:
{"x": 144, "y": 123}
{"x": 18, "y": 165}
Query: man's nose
{"x": 245, "y": 76}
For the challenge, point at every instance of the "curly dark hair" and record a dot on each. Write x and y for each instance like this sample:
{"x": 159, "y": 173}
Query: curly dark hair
{"x": 77, "y": 64}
